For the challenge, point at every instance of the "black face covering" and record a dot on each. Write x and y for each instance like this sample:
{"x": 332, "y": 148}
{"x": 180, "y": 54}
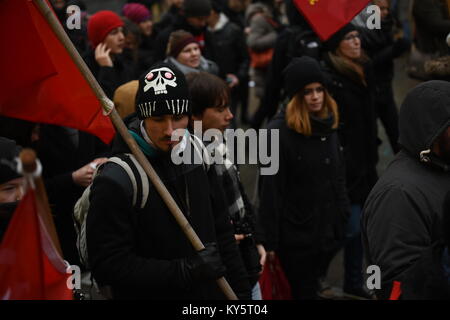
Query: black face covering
{"x": 6, "y": 211}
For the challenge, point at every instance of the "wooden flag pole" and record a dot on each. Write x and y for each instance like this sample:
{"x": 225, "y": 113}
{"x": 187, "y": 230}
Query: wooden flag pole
{"x": 108, "y": 107}
{"x": 30, "y": 166}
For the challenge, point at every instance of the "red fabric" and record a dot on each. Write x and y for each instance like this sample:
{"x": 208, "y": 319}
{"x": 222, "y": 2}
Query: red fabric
{"x": 396, "y": 291}
{"x": 273, "y": 282}
{"x": 30, "y": 267}
{"x": 100, "y": 24}
{"x": 39, "y": 81}
{"x": 328, "y": 16}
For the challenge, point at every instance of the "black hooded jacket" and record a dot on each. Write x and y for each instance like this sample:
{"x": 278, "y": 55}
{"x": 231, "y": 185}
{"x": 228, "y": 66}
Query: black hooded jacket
{"x": 137, "y": 251}
{"x": 402, "y": 218}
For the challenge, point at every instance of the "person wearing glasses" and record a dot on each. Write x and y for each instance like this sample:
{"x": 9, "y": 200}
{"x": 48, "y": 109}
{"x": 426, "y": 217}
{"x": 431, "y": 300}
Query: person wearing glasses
{"x": 304, "y": 206}
{"x": 352, "y": 86}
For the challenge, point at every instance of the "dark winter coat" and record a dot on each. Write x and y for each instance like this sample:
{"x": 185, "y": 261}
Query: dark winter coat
{"x": 382, "y": 49}
{"x": 305, "y": 205}
{"x": 60, "y": 156}
{"x": 357, "y": 129}
{"x": 110, "y": 78}
{"x": 230, "y": 40}
{"x": 402, "y": 218}
{"x": 138, "y": 252}
{"x": 432, "y": 24}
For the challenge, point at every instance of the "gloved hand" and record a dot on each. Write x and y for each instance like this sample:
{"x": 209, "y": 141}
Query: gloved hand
{"x": 204, "y": 265}
{"x": 400, "y": 46}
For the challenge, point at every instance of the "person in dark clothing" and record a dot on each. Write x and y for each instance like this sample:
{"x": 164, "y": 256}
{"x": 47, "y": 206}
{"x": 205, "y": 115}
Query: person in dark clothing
{"x": 383, "y": 49}
{"x": 432, "y": 22}
{"x": 210, "y": 108}
{"x": 142, "y": 18}
{"x": 78, "y": 35}
{"x": 68, "y": 158}
{"x": 143, "y": 252}
{"x": 403, "y": 216}
{"x": 228, "y": 37}
{"x": 351, "y": 83}
{"x": 104, "y": 58}
{"x": 11, "y": 183}
{"x": 192, "y": 18}
{"x": 304, "y": 207}
{"x": 294, "y": 41}
{"x": 169, "y": 17}
{"x": 235, "y": 11}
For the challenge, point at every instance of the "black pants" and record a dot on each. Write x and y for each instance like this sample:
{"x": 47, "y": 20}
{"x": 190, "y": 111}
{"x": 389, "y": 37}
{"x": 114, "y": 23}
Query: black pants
{"x": 303, "y": 270}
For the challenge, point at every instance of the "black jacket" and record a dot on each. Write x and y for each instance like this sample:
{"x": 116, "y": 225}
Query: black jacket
{"x": 402, "y": 218}
{"x": 305, "y": 205}
{"x": 357, "y": 129}
{"x": 432, "y": 24}
{"x": 138, "y": 252}
{"x": 110, "y": 78}
{"x": 60, "y": 156}
{"x": 230, "y": 40}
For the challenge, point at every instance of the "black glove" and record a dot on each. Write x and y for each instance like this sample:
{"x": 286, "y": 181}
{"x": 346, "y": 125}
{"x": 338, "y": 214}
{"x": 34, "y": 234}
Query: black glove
{"x": 204, "y": 265}
{"x": 401, "y": 46}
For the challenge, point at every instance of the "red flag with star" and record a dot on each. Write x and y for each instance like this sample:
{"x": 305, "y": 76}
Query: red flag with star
{"x": 328, "y": 16}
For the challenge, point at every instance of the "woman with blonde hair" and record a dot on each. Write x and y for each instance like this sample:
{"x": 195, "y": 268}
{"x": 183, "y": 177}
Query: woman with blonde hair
{"x": 304, "y": 206}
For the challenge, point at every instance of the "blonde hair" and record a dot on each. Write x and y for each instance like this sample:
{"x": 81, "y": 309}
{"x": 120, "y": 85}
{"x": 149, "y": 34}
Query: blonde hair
{"x": 297, "y": 114}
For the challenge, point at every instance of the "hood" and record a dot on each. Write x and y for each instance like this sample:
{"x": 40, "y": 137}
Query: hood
{"x": 424, "y": 116}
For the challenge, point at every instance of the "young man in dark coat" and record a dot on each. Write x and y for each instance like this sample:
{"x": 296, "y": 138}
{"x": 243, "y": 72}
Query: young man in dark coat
{"x": 104, "y": 58}
{"x": 191, "y": 18}
{"x": 229, "y": 37}
{"x": 143, "y": 253}
{"x": 403, "y": 216}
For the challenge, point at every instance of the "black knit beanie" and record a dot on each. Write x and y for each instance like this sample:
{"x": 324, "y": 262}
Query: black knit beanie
{"x": 333, "y": 43}
{"x": 197, "y": 8}
{"x": 162, "y": 91}
{"x": 9, "y": 150}
{"x": 299, "y": 73}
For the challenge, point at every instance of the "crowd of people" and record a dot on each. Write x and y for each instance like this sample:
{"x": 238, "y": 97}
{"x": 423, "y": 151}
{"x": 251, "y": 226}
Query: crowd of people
{"x": 323, "y": 97}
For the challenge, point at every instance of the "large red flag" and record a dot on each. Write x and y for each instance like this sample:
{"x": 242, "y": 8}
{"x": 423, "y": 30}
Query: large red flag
{"x": 30, "y": 266}
{"x": 39, "y": 81}
{"x": 328, "y": 16}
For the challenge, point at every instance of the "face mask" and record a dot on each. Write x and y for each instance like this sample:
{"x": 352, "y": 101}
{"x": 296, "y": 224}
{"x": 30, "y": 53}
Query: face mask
{"x": 7, "y": 209}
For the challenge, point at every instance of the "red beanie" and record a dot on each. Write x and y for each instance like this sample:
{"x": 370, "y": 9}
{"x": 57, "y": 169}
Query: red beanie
{"x": 136, "y": 12}
{"x": 102, "y": 23}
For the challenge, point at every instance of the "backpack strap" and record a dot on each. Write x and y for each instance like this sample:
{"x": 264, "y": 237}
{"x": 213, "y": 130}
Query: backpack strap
{"x": 125, "y": 166}
{"x": 144, "y": 180}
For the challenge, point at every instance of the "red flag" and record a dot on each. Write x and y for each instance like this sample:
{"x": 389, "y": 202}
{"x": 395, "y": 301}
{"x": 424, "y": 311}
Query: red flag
{"x": 39, "y": 81}
{"x": 30, "y": 266}
{"x": 328, "y": 16}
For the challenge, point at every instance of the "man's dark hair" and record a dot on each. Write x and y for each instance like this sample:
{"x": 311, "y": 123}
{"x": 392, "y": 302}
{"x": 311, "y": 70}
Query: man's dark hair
{"x": 207, "y": 91}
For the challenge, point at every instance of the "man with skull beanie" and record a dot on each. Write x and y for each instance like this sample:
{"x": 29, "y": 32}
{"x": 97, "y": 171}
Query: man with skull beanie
{"x": 191, "y": 18}
{"x": 142, "y": 252}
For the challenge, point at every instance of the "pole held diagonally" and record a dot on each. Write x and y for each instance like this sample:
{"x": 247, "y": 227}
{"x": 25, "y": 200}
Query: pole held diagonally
{"x": 108, "y": 106}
